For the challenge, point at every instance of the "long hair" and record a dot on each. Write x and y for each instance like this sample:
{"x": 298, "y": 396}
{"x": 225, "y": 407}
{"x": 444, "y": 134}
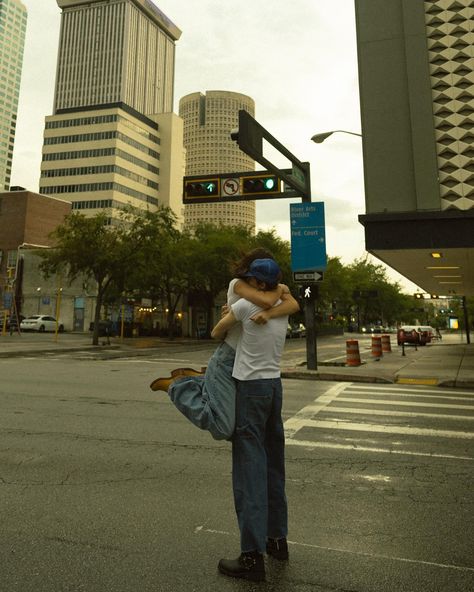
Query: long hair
{"x": 242, "y": 265}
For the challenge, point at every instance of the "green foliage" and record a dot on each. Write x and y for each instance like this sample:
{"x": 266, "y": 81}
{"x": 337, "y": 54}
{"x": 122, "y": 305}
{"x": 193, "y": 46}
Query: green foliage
{"x": 146, "y": 255}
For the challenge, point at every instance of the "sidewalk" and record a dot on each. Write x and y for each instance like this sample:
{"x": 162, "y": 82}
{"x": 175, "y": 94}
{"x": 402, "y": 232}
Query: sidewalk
{"x": 449, "y": 363}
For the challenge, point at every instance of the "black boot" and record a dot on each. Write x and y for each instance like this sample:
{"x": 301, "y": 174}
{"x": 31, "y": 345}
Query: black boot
{"x": 249, "y": 566}
{"x": 278, "y": 548}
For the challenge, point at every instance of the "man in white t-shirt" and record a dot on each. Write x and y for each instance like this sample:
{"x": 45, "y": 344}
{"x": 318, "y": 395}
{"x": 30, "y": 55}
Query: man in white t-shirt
{"x": 258, "y": 465}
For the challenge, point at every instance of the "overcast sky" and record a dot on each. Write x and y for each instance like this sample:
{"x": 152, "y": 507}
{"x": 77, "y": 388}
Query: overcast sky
{"x": 297, "y": 59}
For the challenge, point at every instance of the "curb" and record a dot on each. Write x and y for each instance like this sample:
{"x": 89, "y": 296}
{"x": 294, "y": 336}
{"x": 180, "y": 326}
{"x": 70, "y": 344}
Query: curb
{"x": 315, "y": 375}
{"x": 40, "y": 352}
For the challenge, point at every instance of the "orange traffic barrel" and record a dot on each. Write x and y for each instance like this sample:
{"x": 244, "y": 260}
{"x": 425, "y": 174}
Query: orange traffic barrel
{"x": 386, "y": 345}
{"x": 376, "y": 346}
{"x": 352, "y": 350}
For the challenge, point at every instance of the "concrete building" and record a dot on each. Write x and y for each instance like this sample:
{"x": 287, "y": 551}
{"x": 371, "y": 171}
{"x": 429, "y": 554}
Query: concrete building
{"x": 26, "y": 220}
{"x": 110, "y": 139}
{"x": 416, "y": 78}
{"x": 13, "y": 18}
{"x": 208, "y": 120}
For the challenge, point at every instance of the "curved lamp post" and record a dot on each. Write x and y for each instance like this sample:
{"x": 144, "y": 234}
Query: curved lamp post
{"x": 318, "y": 138}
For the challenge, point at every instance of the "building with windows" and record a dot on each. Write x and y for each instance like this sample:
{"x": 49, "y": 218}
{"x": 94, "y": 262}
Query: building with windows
{"x": 13, "y": 18}
{"x": 26, "y": 220}
{"x": 416, "y": 79}
{"x": 110, "y": 140}
{"x": 208, "y": 120}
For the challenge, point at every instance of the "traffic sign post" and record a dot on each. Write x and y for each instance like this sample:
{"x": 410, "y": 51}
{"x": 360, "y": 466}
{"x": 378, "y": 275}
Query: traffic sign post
{"x": 309, "y": 295}
{"x": 308, "y": 260}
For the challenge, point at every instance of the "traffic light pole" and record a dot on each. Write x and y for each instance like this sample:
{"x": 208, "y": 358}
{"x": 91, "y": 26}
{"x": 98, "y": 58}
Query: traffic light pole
{"x": 310, "y": 310}
{"x": 310, "y": 324}
{"x": 466, "y": 320}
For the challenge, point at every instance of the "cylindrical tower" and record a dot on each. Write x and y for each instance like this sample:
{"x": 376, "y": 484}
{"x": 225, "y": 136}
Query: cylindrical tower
{"x": 208, "y": 120}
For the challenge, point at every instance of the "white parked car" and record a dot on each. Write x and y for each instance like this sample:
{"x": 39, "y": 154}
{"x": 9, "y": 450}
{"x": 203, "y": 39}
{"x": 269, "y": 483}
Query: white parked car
{"x": 40, "y": 323}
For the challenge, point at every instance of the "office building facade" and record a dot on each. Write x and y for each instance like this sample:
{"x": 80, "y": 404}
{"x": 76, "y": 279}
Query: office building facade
{"x": 208, "y": 120}
{"x": 13, "y": 17}
{"x": 416, "y": 79}
{"x": 109, "y": 140}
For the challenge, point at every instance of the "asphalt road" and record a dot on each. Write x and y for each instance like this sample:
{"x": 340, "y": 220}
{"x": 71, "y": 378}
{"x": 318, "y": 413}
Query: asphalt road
{"x": 104, "y": 486}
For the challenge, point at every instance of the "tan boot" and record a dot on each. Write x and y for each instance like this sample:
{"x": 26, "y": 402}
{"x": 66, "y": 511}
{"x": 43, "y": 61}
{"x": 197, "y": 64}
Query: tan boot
{"x": 186, "y": 372}
{"x": 162, "y": 384}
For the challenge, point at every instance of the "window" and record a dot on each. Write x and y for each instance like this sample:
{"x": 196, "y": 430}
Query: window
{"x": 11, "y": 258}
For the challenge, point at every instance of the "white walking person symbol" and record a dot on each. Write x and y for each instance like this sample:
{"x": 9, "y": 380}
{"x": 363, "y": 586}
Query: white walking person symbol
{"x": 307, "y": 292}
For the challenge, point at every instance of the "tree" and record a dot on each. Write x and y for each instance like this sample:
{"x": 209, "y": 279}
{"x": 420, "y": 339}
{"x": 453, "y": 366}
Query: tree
{"x": 212, "y": 252}
{"x": 89, "y": 247}
{"x": 163, "y": 268}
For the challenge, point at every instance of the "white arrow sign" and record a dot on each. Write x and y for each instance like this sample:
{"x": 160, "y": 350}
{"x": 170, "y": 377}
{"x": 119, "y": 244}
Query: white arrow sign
{"x": 308, "y": 276}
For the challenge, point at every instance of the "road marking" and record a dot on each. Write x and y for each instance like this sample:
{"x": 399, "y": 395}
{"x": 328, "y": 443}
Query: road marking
{"x": 311, "y": 444}
{"x": 402, "y": 391}
{"x": 201, "y": 529}
{"x": 406, "y": 393}
{"x": 370, "y": 427}
{"x": 426, "y": 381}
{"x": 406, "y": 403}
{"x": 301, "y": 418}
{"x": 306, "y": 418}
{"x": 389, "y": 557}
{"x": 361, "y": 411}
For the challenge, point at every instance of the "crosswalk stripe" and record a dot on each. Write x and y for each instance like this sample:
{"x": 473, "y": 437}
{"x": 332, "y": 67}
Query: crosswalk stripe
{"x": 406, "y": 403}
{"x": 295, "y": 423}
{"x": 388, "y": 412}
{"x": 401, "y": 392}
{"x": 369, "y": 427}
{"x": 414, "y": 395}
{"x": 356, "y": 447}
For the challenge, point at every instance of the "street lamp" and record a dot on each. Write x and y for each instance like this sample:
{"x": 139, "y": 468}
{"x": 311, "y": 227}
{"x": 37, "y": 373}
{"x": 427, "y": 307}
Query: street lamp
{"x": 319, "y": 138}
{"x": 38, "y": 291}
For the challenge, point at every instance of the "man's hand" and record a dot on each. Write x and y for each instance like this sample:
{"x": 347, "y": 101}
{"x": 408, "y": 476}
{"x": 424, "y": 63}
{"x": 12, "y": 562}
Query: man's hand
{"x": 224, "y": 310}
{"x": 261, "y": 318}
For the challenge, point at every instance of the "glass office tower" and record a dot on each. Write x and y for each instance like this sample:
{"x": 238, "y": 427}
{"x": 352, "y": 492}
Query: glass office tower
{"x": 13, "y": 17}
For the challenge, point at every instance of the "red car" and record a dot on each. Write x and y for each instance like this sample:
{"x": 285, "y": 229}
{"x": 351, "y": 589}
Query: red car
{"x": 413, "y": 334}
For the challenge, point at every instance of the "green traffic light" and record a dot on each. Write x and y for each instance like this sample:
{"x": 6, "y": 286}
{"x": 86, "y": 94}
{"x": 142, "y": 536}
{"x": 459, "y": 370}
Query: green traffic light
{"x": 260, "y": 184}
{"x": 269, "y": 183}
{"x": 210, "y": 187}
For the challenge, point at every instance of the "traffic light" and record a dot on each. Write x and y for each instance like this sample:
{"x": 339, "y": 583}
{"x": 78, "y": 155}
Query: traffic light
{"x": 207, "y": 187}
{"x": 262, "y": 184}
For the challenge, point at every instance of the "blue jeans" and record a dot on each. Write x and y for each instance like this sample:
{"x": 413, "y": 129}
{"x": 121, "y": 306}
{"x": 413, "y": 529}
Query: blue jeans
{"x": 209, "y": 401}
{"x": 258, "y": 464}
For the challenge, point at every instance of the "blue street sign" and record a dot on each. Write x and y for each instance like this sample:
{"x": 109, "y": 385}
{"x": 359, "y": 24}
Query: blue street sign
{"x": 308, "y": 236}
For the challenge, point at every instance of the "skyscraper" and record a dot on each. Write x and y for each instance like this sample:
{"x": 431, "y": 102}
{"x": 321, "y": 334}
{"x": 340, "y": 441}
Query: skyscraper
{"x": 12, "y": 40}
{"x": 208, "y": 120}
{"x": 416, "y": 79}
{"x": 113, "y": 106}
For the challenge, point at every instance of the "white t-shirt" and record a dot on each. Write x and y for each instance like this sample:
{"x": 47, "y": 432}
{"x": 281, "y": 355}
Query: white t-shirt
{"x": 233, "y": 336}
{"x": 259, "y": 350}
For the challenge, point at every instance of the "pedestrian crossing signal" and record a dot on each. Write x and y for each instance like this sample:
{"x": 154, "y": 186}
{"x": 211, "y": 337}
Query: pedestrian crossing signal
{"x": 307, "y": 291}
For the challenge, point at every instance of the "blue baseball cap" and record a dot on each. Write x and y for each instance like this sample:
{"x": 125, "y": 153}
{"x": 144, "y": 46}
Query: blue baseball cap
{"x": 264, "y": 270}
